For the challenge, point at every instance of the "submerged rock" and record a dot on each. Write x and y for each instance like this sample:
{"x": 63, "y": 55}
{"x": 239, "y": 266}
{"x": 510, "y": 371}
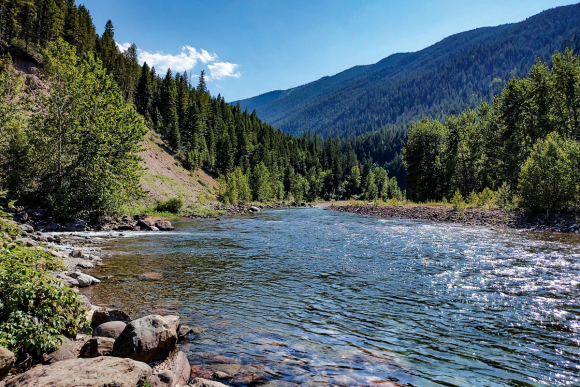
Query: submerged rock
{"x": 198, "y": 382}
{"x": 98, "y": 372}
{"x": 150, "y": 277}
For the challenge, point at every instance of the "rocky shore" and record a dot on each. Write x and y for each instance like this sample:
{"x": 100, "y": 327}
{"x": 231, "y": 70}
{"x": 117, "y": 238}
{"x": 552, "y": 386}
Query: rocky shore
{"x": 564, "y": 223}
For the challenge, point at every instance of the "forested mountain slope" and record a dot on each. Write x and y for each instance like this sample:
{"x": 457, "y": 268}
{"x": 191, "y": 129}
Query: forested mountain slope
{"x": 456, "y": 73}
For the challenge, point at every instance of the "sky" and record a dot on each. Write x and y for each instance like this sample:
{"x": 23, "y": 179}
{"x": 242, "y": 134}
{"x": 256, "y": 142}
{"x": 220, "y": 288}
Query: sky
{"x": 251, "y": 47}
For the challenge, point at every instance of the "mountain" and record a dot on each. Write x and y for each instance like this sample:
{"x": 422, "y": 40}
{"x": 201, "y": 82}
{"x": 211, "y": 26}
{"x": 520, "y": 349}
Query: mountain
{"x": 446, "y": 78}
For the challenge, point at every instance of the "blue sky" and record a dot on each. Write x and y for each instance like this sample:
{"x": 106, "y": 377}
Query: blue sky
{"x": 252, "y": 47}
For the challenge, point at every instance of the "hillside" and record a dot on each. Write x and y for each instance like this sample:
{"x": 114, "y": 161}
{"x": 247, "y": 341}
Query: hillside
{"x": 165, "y": 177}
{"x": 454, "y": 74}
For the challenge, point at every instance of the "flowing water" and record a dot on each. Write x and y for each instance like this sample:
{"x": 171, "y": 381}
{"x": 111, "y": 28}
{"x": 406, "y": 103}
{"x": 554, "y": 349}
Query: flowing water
{"x": 315, "y": 297}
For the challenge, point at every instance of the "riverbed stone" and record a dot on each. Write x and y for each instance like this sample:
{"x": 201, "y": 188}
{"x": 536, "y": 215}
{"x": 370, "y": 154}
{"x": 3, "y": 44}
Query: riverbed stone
{"x": 184, "y": 331}
{"x": 111, "y": 329}
{"x": 146, "y": 224}
{"x": 72, "y": 282}
{"x": 173, "y": 322}
{"x": 26, "y": 228}
{"x": 84, "y": 279}
{"x": 86, "y": 264}
{"x": 105, "y": 315}
{"x": 162, "y": 379}
{"x": 164, "y": 225}
{"x": 68, "y": 350}
{"x": 6, "y": 362}
{"x": 198, "y": 382}
{"x": 97, "y": 346}
{"x": 178, "y": 365}
{"x": 255, "y": 209}
{"x": 76, "y": 225}
{"x": 147, "y": 339}
{"x": 152, "y": 277}
{"x": 97, "y": 372}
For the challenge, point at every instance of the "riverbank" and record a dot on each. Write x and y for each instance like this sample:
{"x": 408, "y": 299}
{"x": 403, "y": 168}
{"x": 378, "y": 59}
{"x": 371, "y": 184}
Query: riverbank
{"x": 496, "y": 217}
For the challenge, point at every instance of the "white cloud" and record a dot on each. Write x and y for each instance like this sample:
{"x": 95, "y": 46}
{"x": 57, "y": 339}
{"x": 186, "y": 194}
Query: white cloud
{"x": 185, "y": 61}
{"x": 123, "y": 47}
{"x": 221, "y": 70}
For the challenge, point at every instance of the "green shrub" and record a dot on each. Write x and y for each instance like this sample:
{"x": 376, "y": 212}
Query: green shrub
{"x": 457, "y": 201}
{"x": 486, "y": 198}
{"x": 473, "y": 199}
{"x": 36, "y": 310}
{"x": 173, "y": 205}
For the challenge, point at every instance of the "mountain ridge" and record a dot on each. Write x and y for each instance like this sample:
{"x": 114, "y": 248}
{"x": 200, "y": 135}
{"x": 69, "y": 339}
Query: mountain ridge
{"x": 455, "y": 73}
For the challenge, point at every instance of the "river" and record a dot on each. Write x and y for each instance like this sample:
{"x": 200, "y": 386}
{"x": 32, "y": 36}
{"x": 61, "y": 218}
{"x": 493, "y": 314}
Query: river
{"x": 315, "y": 297}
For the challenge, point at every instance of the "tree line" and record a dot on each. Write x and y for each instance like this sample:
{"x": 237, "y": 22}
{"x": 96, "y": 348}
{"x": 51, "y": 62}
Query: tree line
{"x": 47, "y": 139}
{"x": 526, "y": 142}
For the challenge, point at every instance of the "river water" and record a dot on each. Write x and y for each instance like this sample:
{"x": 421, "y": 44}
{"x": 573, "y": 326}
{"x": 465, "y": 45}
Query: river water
{"x": 315, "y": 297}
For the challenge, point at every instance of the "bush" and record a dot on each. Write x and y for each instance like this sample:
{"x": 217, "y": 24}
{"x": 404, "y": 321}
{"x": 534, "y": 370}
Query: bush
{"x": 486, "y": 198}
{"x": 172, "y": 205}
{"x": 36, "y": 310}
{"x": 457, "y": 201}
{"x": 549, "y": 177}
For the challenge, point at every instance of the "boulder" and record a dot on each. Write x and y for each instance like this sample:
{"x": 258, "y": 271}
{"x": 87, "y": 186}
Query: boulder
{"x": 198, "y": 382}
{"x": 178, "y": 365}
{"x": 26, "y": 228}
{"x": 162, "y": 379}
{"x": 164, "y": 225}
{"x": 150, "y": 277}
{"x": 6, "y": 362}
{"x": 97, "y": 372}
{"x": 255, "y": 209}
{"x": 72, "y": 282}
{"x": 22, "y": 216}
{"x": 76, "y": 225}
{"x": 146, "y": 224}
{"x": 111, "y": 329}
{"x": 68, "y": 350}
{"x": 147, "y": 339}
{"x": 84, "y": 279}
{"x": 97, "y": 346}
{"x": 86, "y": 265}
{"x": 77, "y": 253}
{"x": 173, "y": 322}
{"x": 105, "y": 315}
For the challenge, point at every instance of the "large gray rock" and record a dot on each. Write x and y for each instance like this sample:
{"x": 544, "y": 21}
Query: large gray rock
{"x": 164, "y": 225}
{"x": 112, "y": 329}
{"x": 199, "y": 382}
{"x": 184, "y": 331}
{"x": 26, "y": 228}
{"x": 68, "y": 350}
{"x": 98, "y": 372}
{"x": 72, "y": 282}
{"x": 97, "y": 346}
{"x": 84, "y": 279}
{"x": 105, "y": 315}
{"x": 6, "y": 362}
{"x": 178, "y": 365}
{"x": 255, "y": 209}
{"x": 147, "y": 339}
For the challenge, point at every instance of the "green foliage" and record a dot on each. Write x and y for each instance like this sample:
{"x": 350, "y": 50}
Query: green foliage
{"x": 457, "y": 201}
{"x": 35, "y": 309}
{"x": 171, "y": 205}
{"x": 77, "y": 150}
{"x": 550, "y": 177}
{"x": 528, "y": 139}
